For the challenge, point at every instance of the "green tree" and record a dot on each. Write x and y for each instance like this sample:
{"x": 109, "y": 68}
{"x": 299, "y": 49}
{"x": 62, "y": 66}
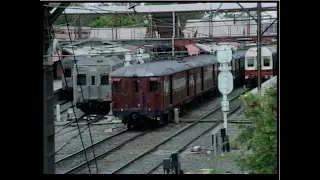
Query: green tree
{"x": 260, "y": 138}
{"x": 118, "y": 21}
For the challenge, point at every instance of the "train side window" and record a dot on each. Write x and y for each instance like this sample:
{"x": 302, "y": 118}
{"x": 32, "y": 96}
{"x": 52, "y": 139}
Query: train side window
{"x": 93, "y": 80}
{"x": 117, "y": 87}
{"x": 135, "y": 86}
{"x": 81, "y": 79}
{"x": 266, "y": 62}
{"x": 67, "y": 72}
{"x": 104, "y": 79}
{"x": 250, "y": 62}
{"x": 153, "y": 86}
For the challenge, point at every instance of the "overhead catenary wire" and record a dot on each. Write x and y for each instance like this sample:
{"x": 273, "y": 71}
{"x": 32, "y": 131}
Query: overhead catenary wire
{"x": 136, "y": 12}
{"x": 49, "y": 33}
{"x": 84, "y": 8}
{"x": 65, "y": 16}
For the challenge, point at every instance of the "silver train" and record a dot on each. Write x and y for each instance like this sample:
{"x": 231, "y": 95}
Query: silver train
{"x": 68, "y": 65}
{"x": 92, "y": 90}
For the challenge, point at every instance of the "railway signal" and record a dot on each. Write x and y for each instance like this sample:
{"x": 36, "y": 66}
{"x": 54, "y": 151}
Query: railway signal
{"x": 225, "y": 78}
{"x": 225, "y": 84}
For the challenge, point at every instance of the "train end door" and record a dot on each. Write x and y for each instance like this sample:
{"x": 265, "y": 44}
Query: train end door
{"x": 93, "y": 85}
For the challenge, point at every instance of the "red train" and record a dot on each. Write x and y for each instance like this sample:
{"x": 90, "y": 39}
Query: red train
{"x": 151, "y": 91}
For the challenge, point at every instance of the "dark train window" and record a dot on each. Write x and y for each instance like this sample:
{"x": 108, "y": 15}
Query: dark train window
{"x": 117, "y": 87}
{"x": 153, "y": 86}
{"x": 250, "y": 62}
{"x": 81, "y": 79}
{"x": 67, "y": 72}
{"x": 135, "y": 86}
{"x": 93, "y": 80}
{"x": 104, "y": 79}
{"x": 266, "y": 62}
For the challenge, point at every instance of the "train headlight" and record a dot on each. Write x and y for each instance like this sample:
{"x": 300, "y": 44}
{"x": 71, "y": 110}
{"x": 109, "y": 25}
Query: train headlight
{"x": 158, "y": 118}
{"x": 79, "y": 90}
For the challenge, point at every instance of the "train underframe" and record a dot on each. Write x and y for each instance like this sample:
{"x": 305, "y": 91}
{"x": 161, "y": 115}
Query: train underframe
{"x": 94, "y": 107}
{"x": 253, "y": 81}
{"x": 133, "y": 117}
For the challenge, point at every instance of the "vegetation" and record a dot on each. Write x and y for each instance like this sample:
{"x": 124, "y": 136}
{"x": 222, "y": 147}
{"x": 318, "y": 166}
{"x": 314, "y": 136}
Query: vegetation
{"x": 260, "y": 138}
{"x": 118, "y": 21}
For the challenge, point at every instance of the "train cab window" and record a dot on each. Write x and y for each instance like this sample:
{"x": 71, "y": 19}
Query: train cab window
{"x": 93, "y": 80}
{"x": 250, "y": 62}
{"x": 104, "y": 79}
{"x": 266, "y": 62}
{"x": 135, "y": 86}
{"x": 117, "y": 87}
{"x": 153, "y": 86}
{"x": 67, "y": 72}
{"x": 81, "y": 79}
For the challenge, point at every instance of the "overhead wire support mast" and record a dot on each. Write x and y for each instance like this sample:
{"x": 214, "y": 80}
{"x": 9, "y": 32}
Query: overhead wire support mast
{"x": 48, "y": 122}
{"x": 259, "y": 47}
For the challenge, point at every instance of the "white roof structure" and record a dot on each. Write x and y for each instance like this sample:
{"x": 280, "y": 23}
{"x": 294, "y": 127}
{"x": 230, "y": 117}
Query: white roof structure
{"x": 252, "y": 52}
{"x": 170, "y": 8}
{"x": 95, "y": 50}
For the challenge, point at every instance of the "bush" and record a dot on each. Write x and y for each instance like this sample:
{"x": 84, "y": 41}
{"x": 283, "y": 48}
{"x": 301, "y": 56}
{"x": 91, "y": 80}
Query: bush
{"x": 261, "y": 137}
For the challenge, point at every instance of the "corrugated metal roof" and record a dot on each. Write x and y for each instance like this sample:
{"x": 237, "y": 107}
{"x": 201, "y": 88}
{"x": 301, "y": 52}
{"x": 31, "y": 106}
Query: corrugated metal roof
{"x": 97, "y": 49}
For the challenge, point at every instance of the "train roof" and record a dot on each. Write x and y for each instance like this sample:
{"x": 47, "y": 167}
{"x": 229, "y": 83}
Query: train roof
{"x": 95, "y": 60}
{"x": 163, "y": 68}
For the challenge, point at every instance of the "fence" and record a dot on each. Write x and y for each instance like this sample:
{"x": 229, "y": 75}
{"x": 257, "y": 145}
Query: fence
{"x": 202, "y": 28}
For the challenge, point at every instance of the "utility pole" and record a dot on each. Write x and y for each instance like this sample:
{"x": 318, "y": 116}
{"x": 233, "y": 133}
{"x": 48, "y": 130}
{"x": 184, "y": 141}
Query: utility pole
{"x": 259, "y": 47}
{"x": 173, "y": 31}
{"x": 48, "y": 97}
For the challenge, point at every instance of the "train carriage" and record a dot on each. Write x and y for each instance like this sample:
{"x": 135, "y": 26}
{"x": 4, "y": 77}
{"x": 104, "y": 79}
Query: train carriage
{"x": 268, "y": 64}
{"x": 92, "y": 90}
{"x": 151, "y": 91}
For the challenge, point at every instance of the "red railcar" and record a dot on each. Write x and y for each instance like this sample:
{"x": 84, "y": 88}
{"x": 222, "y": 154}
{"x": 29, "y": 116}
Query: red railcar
{"x": 151, "y": 91}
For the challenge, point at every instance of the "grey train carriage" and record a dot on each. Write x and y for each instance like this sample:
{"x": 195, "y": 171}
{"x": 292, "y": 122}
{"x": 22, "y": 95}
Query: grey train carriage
{"x": 67, "y": 78}
{"x": 92, "y": 90}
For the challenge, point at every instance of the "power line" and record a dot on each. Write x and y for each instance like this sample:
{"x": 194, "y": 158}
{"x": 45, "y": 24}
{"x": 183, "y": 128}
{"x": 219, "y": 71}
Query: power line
{"x": 156, "y": 19}
{"x": 48, "y": 29}
{"x": 65, "y": 16}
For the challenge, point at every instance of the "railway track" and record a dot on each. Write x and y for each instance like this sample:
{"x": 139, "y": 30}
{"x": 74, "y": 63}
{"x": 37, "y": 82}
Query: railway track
{"x": 102, "y": 148}
{"x": 69, "y": 123}
{"x": 201, "y": 128}
{"x": 81, "y": 131}
{"x": 75, "y": 164}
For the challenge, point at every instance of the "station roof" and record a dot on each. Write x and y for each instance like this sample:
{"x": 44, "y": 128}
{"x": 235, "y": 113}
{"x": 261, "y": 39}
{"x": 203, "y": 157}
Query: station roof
{"x": 171, "y": 8}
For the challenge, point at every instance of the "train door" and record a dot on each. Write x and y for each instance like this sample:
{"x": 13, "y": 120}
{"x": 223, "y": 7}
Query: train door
{"x": 188, "y": 83}
{"x": 93, "y": 86}
{"x": 213, "y": 76}
{"x": 104, "y": 87}
{"x": 153, "y": 95}
{"x": 137, "y": 93}
{"x": 82, "y": 83}
{"x": 120, "y": 93}
{"x": 202, "y": 78}
{"x": 170, "y": 89}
